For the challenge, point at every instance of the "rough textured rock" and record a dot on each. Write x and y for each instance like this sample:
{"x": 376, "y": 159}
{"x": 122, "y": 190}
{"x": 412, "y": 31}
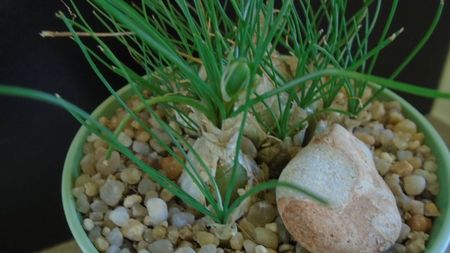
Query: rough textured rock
{"x": 362, "y": 215}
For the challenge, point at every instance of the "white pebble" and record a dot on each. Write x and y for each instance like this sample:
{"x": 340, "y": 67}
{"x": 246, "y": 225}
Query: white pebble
{"x": 157, "y": 210}
{"x": 181, "y": 219}
{"x": 113, "y": 249}
{"x": 260, "y": 249}
{"x": 141, "y": 147}
{"x": 125, "y": 140}
{"x": 414, "y": 184}
{"x": 88, "y": 224}
{"x": 111, "y": 192}
{"x": 210, "y": 248}
{"x": 161, "y": 246}
{"x": 184, "y": 250}
{"x": 115, "y": 237}
{"x": 249, "y": 246}
{"x": 119, "y": 216}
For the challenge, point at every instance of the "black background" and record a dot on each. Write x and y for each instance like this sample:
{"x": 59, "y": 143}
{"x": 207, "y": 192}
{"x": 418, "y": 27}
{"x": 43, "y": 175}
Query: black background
{"x": 34, "y": 137}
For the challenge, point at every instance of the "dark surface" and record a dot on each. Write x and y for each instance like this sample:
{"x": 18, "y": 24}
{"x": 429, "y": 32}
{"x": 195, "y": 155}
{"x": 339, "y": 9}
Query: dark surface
{"x": 34, "y": 137}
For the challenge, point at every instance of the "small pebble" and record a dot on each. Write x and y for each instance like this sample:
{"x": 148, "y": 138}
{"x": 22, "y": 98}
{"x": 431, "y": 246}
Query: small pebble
{"x": 420, "y": 223}
{"x": 204, "y": 238}
{"x": 414, "y": 184}
{"x": 181, "y": 219}
{"x": 171, "y": 167}
{"x": 406, "y": 126}
{"x": 88, "y": 224}
{"x": 111, "y": 192}
{"x": 142, "y": 136}
{"x": 146, "y": 185}
{"x": 159, "y": 232}
{"x": 113, "y": 249}
{"x": 101, "y": 244}
{"x": 185, "y": 250}
{"x": 108, "y": 167}
{"x": 125, "y": 140}
{"x": 404, "y": 232}
{"x": 90, "y": 189}
{"x": 431, "y": 210}
{"x": 261, "y": 249}
{"x": 119, "y": 216}
{"x": 82, "y": 203}
{"x": 157, "y": 210}
{"x": 131, "y": 175}
{"x": 87, "y": 164}
{"x": 210, "y": 248}
{"x": 237, "y": 241}
{"x": 402, "y": 168}
{"x": 161, "y": 246}
{"x": 115, "y": 237}
{"x": 266, "y": 237}
{"x": 166, "y": 195}
{"x": 140, "y": 147}
{"x": 138, "y": 210}
{"x": 133, "y": 230}
{"x": 155, "y": 146}
{"x": 249, "y": 246}
{"x": 261, "y": 213}
{"x": 99, "y": 206}
{"x": 132, "y": 200}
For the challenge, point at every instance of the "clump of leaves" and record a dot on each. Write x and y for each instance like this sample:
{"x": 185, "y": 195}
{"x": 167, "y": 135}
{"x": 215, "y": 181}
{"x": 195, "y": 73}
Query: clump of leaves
{"x": 209, "y": 57}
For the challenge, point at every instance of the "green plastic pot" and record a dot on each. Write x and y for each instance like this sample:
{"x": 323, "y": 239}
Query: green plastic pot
{"x": 440, "y": 235}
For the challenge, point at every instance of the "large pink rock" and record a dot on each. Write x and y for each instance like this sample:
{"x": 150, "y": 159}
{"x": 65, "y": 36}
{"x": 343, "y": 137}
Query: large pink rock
{"x": 362, "y": 215}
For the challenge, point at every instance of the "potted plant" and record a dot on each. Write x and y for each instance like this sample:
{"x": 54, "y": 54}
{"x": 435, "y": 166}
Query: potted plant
{"x": 187, "y": 156}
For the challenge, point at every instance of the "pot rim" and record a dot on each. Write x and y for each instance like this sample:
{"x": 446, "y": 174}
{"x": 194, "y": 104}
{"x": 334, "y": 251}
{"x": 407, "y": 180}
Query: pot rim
{"x": 438, "y": 242}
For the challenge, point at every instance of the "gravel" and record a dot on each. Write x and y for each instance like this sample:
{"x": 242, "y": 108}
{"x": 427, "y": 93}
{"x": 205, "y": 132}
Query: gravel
{"x": 124, "y": 211}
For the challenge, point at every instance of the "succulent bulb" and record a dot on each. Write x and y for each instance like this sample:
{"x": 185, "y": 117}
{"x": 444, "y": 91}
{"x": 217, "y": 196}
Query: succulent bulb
{"x": 235, "y": 78}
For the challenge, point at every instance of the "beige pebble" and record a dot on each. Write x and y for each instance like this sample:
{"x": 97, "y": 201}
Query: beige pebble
{"x": 237, "y": 241}
{"x": 159, "y": 232}
{"x": 166, "y": 195}
{"x": 416, "y": 162}
{"x": 142, "y": 136}
{"x": 82, "y": 180}
{"x": 173, "y": 235}
{"x": 249, "y": 246}
{"x": 132, "y": 200}
{"x": 247, "y": 228}
{"x": 272, "y": 227}
{"x": 285, "y": 247}
{"x": 395, "y": 117}
{"x": 131, "y": 175}
{"x": 406, "y": 126}
{"x": 133, "y": 230}
{"x": 430, "y": 166}
{"x": 91, "y": 189}
{"x": 378, "y": 111}
{"x": 204, "y": 238}
{"x": 185, "y": 233}
{"x": 101, "y": 244}
{"x": 402, "y": 168}
{"x": 266, "y": 237}
{"x": 431, "y": 209}
{"x": 416, "y": 243}
{"x": 419, "y": 223}
{"x": 366, "y": 138}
